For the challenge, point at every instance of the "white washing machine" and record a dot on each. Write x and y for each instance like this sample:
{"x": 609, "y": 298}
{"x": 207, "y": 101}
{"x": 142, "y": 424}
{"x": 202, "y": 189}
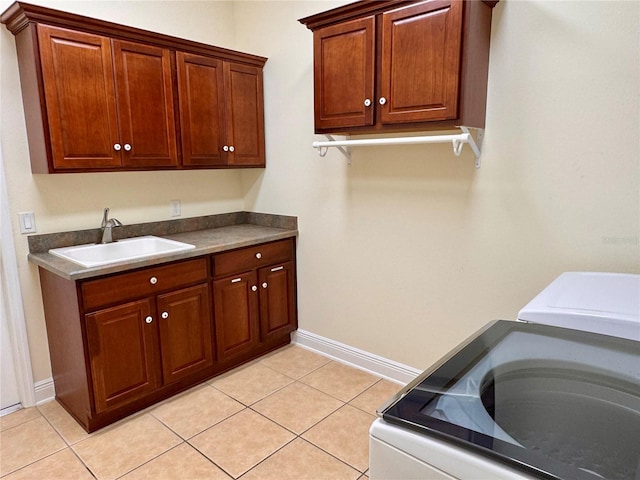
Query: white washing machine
{"x": 555, "y": 395}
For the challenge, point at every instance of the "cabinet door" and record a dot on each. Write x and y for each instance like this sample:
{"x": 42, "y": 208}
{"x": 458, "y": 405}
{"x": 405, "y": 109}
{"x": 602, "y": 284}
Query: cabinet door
{"x": 421, "y": 62}
{"x": 144, "y": 92}
{"x": 344, "y": 57}
{"x": 79, "y": 93}
{"x": 123, "y": 354}
{"x": 186, "y": 342}
{"x": 235, "y": 303}
{"x": 277, "y": 301}
{"x": 200, "y": 90}
{"x": 244, "y": 112}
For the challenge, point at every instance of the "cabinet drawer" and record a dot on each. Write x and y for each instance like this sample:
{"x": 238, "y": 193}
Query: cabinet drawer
{"x": 128, "y": 286}
{"x": 252, "y": 257}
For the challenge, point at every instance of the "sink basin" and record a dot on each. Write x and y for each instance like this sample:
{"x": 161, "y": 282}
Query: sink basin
{"x": 94, "y": 255}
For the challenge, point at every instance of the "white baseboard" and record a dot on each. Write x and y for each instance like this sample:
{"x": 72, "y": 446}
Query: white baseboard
{"x": 369, "y": 362}
{"x": 45, "y": 391}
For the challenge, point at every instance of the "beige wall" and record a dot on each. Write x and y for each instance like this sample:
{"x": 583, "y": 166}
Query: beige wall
{"x": 410, "y": 249}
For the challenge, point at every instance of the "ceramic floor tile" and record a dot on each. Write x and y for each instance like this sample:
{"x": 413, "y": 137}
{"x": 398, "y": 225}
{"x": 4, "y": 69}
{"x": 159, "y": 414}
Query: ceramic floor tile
{"x": 252, "y": 383}
{"x": 64, "y": 423}
{"x": 297, "y": 406}
{"x": 372, "y": 398}
{"x": 27, "y": 443}
{"x": 295, "y": 362}
{"x": 345, "y": 434}
{"x": 340, "y": 381}
{"x": 181, "y": 462}
{"x": 299, "y": 460}
{"x": 116, "y": 450}
{"x": 61, "y": 465}
{"x": 16, "y": 418}
{"x": 241, "y": 442}
{"x": 196, "y": 410}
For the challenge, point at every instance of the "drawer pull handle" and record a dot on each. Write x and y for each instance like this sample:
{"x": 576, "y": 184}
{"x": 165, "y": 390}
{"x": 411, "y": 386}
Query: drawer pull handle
{"x": 153, "y": 280}
{"x": 236, "y": 280}
{"x": 254, "y": 289}
{"x": 165, "y": 314}
{"x": 264, "y": 285}
{"x": 258, "y": 255}
{"x": 275, "y": 269}
{"x": 149, "y": 319}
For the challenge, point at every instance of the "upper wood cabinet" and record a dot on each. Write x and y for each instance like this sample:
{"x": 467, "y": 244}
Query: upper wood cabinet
{"x": 401, "y": 65}
{"x": 221, "y": 114}
{"x": 109, "y": 103}
{"x": 100, "y": 97}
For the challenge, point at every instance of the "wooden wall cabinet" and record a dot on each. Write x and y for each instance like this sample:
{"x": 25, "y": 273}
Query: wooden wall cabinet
{"x": 122, "y": 342}
{"x": 221, "y": 114}
{"x": 101, "y": 97}
{"x": 109, "y": 103}
{"x": 400, "y": 65}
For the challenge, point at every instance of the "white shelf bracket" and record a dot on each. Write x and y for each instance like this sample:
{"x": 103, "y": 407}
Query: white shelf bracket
{"x": 476, "y": 145}
{"x": 457, "y": 140}
{"x": 322, "y": 150}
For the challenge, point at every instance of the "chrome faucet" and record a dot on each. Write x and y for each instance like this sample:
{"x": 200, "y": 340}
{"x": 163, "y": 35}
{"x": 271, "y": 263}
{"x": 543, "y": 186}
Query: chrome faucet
{"x": 107, "y": 225}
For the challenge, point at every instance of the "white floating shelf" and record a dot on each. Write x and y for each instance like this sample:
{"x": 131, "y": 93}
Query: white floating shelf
{"x": 457, "y": 140}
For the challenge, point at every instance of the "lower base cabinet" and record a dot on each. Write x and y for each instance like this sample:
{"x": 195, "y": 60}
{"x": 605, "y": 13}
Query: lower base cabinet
{"x": 123, "y": 342}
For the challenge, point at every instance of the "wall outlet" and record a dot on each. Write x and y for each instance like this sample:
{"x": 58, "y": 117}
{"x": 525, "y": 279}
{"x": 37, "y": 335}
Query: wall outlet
{"x": 27, "y": 222}
{"x": 176, "y": 210}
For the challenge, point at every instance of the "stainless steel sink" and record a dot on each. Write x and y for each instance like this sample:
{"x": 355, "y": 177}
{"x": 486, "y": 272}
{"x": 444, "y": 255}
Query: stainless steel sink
{"x": 94, "y": 255}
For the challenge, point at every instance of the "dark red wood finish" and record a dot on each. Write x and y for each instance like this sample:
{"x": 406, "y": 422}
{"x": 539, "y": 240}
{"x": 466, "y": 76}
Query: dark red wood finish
{"x": 122, "y": 342}
{"x": 141, "y": 70}
{"x": 431, "y": 65}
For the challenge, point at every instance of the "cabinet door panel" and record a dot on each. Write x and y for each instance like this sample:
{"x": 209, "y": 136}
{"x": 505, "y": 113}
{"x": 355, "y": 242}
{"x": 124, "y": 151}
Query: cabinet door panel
{"x": 344, "y": 57}
{"x": 123, "y": 354}
{"x": 244, "y": 114}
{"x": 236, "y": 314}
{"x": 200, "y": 89}
{"x": 421, "y": 62}
{"x": 277, "y": 300}
{"x": 145, "y": 104}
{"x": 185, "y": 332}
{"x": 80, "y": 98}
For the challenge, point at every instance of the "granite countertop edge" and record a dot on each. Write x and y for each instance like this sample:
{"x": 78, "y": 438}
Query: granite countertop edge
{"x": 248, "y": 231}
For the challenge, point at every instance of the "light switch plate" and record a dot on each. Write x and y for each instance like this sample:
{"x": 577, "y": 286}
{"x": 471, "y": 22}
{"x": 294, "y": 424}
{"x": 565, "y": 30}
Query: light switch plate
{"x": 27, "y": 222}
{"x": 176, "y": 211}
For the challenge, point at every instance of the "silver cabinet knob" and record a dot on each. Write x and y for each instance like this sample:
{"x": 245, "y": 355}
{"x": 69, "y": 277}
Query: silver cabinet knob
{"x": 153, "y": 280}
{"x": 367, "y": 102}
{"x": 232, "y": 148}
{"x": 117, "y": 147}
{"x": 165, "y": 315}
{"x": 225, "y": 148}
{"x": 254, "y": 289}
{"x": 149, "y": 319}
{"x": 264, "y": 285}
{"x": 127, "y": 147}
{"x": 258, "y": 255}
{"x": 382, "y": 101}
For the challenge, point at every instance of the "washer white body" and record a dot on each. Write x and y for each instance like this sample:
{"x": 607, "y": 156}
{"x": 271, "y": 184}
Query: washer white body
{"x": 596, "y": 302}
{"x": 606, "y": 303}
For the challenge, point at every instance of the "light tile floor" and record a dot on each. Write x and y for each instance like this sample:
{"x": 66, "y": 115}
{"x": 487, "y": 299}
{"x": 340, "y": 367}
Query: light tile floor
{"x": 290, "y": 415}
